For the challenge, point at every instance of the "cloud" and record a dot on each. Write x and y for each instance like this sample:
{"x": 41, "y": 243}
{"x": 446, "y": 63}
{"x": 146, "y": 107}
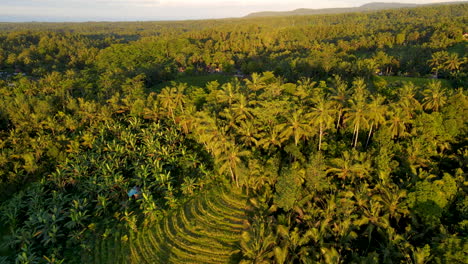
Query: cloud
{"x": 78, "y": 3}
{"x": 120, "y": 10}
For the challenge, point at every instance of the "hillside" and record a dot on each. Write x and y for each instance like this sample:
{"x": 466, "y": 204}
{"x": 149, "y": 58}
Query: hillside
{"x": 205, "y": 230}
{"x": 364, "y": 8}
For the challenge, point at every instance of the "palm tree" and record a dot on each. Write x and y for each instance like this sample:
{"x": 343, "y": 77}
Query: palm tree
{"x": 241, "y": 109}
{"x": 357, "y": 117}
{"x": 398, "y": 121}
{"x": 179, "y": 97}
{"x": 434, "y": 96}
{"x": 375, "y": 114}
{"x": 227, "y": 94}
{"x": 322, "y": 116}
{"x": 437, "y": 61}
{"x": 257, "y": 83}
{"x": 230, "y": 161}
{"x": 270, "y": 137}
{"x": 359, "y": 90}
{"x": 453, "y": 62}
{"x": 340, "y": 96}
{"x": 349, "y": 166}
{"x": 186, "y": 120}
{"x": 171, "y": 98}
{"x": 407, "y": 100}
{"x": 296, "y": 127}
{"x": 392, "y": 199}
{"x": 247, "y": 131}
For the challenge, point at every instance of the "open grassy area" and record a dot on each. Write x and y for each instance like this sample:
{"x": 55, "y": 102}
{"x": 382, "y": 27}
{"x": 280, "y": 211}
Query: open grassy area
{"x": 207, "y": 229}
{"x": 196, "y": 80}
{"x": 460, "y": 48}
{"x": 422, "y": 82}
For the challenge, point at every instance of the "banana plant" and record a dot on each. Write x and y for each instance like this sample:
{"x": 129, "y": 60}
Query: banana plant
{"x": 257, "y": 243}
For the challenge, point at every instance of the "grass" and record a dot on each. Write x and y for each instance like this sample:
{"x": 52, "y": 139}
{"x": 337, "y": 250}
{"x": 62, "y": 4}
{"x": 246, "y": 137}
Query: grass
{"x": 422, "y": 82}
{"x": 206, "y": 229}
{"x": 460, "y": 48}
{"x": 195, "y": 80}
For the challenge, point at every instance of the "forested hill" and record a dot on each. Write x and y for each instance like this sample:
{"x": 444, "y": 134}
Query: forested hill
{"x": 364, "y": 8}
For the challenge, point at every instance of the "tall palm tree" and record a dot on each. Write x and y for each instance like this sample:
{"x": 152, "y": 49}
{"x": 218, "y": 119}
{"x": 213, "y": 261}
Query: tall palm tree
{"x": 257, "y": 243}
{"x": 166, "y": 100}
{"x": 359, "y": 89}
{"x": 357, "y": 117}
{"x": 256, "y": 83}
{"x": 322, "y": 115}
{"x": 230, "y": 161}
{"x": 398, "y": 122}
{"x": 179, "y": 97}
{"x": 349, "y": 166}
{"x": 406, "y": 99}
{"x": 172, "y": 98}
{"x": 375, "y": 113}
{"x": 296, "y": 127}
{"x": 340, "y": 95}
{"x": 437, "y": 61}
{"x": 434, "y": 96}
{"x": 453, "y": 62}
{"x": 247, "y": 132}
{"x": 227, "y": 94}
{"x": 241, "y": 108}
{"x": 270, "y": 137}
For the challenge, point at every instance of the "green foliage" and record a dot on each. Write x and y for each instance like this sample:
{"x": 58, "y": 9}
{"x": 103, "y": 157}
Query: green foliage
{"x": 288, "y": 188}
{"x": 204, "y": 230}
{"x": 452, "y": 249}
{"x": 431, "y": 199}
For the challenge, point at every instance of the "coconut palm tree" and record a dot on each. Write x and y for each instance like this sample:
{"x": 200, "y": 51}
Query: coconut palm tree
{"x": 407, "y": 101}
{"x": 453, "y": 62}
{"x": 359, "y": 90}
{"x": 270, "y": 137}
{"x": 172, "y": 98}
{"x": 322, "y": 115}
{"x": 349, "y": 166}
{"x": 296, "y": 127}
{"x": 357, "y": 117}
{"x": 179, "y": 97}
{"x": 434, "y": 96}
{"x": 257, "y": 243}
{"x": 247, "y": 132}
{"x": 230, "y": 161}
{"x": 227, "y": 94}
{"x": 437, "y": 61}
{"x": 398, "y": 122}
{"x": 256, "y": 83}
{"x": 241, "y": 108}
{"x": 340, "y": 95}
{"x": 375, "y": 114}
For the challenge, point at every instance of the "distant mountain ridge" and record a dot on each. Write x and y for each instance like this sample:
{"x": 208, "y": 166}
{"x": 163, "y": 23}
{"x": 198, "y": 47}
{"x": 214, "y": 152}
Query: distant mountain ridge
{"x": 366, "y": 7}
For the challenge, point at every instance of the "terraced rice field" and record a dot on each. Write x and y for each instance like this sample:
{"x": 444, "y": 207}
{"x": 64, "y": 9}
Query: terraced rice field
{"x": 207, "y": 229}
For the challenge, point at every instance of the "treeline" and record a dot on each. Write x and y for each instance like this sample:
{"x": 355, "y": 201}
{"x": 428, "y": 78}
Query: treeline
{"x": 401, "y": 42}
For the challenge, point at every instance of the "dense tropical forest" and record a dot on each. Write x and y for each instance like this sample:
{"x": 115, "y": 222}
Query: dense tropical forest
{"x": 304, "y": 139}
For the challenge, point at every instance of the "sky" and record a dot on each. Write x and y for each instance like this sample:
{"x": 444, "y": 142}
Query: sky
{"x": 143, "y": 10}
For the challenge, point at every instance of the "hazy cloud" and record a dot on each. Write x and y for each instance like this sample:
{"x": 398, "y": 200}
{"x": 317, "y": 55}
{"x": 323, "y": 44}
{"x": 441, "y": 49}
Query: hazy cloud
{"x": 80, "y": 10}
